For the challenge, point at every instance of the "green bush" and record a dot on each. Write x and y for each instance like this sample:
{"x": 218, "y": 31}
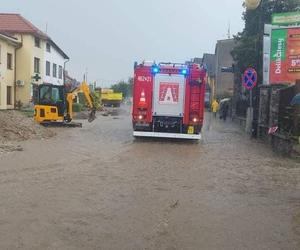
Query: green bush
{"x": 77, "y": 107}
{"x": 96, "y": 100}
{"x": 81, "y": 98}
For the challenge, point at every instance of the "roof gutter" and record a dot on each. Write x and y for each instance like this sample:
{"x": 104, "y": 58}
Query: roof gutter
{"x": 10, "y": 40}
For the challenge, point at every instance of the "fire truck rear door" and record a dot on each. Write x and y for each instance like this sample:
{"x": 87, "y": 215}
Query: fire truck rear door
{"x": 168, "y": 97}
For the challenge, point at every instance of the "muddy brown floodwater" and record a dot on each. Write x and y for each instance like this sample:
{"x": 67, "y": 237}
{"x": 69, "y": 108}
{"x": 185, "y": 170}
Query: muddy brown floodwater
{"x": 98, "y": 188}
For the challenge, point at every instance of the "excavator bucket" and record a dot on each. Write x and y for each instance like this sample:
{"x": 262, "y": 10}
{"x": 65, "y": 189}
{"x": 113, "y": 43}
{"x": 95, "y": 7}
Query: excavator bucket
{"x": 92, "y": 115}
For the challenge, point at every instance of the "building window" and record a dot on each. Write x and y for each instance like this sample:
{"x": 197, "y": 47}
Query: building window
{"x": 48, "y": 66}
{"x": 9, "y": 95}
{"x": 37, "y": 65}
{"x": 48, "y": 47}
{"x": 60, "y": 72}
{"x": 9, "y": 61}
{"x": 54, "y": 70}
{"x": 37, "y": 42}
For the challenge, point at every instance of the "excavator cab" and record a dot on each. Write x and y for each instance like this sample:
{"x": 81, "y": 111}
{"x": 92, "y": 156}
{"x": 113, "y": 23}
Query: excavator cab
{"x": 50, "y": 103}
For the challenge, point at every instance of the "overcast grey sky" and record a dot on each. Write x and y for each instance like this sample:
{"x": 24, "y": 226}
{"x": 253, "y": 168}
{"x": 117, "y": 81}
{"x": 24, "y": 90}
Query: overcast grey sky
{"x": 106, "y": 37}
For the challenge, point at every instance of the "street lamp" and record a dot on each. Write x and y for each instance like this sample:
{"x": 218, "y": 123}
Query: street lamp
{"x": 252, "y": 4}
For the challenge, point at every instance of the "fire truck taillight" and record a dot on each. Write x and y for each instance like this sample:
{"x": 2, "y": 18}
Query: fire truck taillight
{"x": 194, "y": 119}
{"x": 142, "y": 102}
{"x": 143, "y": 96}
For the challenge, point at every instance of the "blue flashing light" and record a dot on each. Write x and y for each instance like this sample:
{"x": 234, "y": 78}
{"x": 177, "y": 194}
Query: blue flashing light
{"x": 184, "y": 72}
{"x": 155, "y": 69}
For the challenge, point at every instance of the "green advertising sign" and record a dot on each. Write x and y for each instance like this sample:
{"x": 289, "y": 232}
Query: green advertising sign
{"x": 285, "y": 55}
{"x": 287, "y": 18}
{"x": 278, "y": 47}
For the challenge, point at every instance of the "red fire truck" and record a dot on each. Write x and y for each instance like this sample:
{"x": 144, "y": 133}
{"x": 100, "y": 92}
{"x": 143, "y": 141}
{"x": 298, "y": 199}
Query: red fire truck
{"x": 168, "y": 100}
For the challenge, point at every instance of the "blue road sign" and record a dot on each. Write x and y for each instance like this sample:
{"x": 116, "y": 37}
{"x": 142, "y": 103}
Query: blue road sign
{"x": 250, "y": 78}
{"x": 227, "y": 69}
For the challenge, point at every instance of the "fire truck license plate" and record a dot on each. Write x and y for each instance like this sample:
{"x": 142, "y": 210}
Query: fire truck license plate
{"x": 191, "y": 130}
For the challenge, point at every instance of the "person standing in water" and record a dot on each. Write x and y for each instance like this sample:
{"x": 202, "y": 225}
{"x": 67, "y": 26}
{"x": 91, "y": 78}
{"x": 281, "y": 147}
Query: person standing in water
{"x": 225, "y": 108}
{"x": 215, "y": 107}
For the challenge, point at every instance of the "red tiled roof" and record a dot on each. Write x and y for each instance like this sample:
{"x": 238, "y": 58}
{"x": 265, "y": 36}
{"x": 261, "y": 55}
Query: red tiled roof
{"x": 15, "y": 23}
{"x": 11, "y": 24}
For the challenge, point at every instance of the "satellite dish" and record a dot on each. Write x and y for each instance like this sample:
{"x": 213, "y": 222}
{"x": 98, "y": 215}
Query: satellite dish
{"x": 252, "y": 4}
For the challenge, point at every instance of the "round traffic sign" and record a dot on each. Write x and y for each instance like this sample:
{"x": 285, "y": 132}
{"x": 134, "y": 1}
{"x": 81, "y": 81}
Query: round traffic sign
{"x": 250, "y": 78}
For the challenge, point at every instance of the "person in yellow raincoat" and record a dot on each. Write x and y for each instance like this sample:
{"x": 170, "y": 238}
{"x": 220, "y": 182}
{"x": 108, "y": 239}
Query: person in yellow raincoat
{"x": 215, "y": 107}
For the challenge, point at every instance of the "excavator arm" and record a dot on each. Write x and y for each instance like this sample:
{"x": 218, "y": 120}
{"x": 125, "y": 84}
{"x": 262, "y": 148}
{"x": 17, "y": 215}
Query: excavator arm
{"x": 83, "y": 88}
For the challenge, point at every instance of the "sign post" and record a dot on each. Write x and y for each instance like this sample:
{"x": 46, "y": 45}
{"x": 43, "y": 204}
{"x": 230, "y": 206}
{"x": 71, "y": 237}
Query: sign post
{"x": 249, "y": 82}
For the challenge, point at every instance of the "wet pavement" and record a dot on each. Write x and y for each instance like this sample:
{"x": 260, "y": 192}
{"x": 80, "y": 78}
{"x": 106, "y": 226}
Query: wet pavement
{"x": 99, "y": 188}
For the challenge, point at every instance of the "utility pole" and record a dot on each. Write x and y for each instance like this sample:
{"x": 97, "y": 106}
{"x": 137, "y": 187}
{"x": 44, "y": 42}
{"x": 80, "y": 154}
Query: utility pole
{"x": 229, "y": 30}
{"x": 86, "y": 74}
{"x": 252, "y": 113}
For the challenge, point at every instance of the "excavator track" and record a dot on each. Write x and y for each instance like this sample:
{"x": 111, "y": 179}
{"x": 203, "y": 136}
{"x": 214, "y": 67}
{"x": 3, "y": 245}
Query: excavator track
{"x": 62, "y": 124}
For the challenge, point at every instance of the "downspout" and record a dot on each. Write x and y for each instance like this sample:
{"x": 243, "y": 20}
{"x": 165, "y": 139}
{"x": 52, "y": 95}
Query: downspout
{"x": 15, "y": 73}
{"x": 67, "y": 108}
{"x": 65, "y": 71}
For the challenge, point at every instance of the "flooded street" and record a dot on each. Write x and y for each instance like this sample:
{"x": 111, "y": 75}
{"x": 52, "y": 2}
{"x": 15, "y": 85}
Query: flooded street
{"x": 99, "y": 188}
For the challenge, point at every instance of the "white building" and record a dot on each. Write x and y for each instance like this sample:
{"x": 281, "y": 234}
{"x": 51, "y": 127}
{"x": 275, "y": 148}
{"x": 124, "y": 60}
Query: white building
{"x": 54, "y": 63}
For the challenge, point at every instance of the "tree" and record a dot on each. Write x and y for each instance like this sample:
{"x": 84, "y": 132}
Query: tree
{"x": 249, "y": 49}
{"x": 124, "y": 87}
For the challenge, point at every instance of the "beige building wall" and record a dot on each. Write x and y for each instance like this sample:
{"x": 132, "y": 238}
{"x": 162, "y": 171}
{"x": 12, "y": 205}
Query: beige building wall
{"x": 224, "y": 81}
{"x": 25, "y": 67}
{"x": 6, "y": 75}
{"x": 211, "y": 83}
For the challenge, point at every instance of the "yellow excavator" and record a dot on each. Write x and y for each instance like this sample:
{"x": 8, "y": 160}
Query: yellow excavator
{"x": 54, "y": 107}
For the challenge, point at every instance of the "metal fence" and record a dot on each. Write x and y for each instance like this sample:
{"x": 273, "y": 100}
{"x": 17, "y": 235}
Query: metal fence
{"x": 241, "y": 107}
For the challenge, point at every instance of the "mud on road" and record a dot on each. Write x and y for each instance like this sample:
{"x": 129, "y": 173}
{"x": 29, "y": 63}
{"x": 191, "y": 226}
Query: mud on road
{"x": 16, "y": 126}
{"x": 98, "y": 188}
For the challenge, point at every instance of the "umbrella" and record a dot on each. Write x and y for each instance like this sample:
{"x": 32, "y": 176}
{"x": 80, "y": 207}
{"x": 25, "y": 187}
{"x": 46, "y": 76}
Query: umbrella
{"x": 296, "y": 100}
{"x": 225, "y": 100}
